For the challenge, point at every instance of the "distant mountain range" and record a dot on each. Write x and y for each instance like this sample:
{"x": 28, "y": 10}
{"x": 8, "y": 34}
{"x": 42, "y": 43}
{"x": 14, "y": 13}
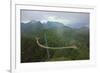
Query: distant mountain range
{"x": 78, "y": 25}
{"x": 51, "y": 24}
{"x": 37, "y": 26}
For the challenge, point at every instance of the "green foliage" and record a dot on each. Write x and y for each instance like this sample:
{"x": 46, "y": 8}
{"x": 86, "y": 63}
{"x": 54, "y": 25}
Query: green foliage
{"x": 31, "y": 52}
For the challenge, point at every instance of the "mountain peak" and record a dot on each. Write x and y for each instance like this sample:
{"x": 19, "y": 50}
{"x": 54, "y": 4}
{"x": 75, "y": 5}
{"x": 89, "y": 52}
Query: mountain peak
{"x": 33, "y": 21}
{"x": 43, "y": 21}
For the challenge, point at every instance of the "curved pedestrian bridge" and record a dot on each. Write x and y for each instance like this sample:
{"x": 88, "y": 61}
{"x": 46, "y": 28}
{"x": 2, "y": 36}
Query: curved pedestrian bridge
{"x": 47, "y": 47}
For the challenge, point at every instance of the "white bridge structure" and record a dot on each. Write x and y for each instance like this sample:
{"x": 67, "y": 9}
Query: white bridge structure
{"x": 47, "y": 47}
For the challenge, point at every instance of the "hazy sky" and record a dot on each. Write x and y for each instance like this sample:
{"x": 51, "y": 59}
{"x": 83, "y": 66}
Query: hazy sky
{"x": 62, "y": 17}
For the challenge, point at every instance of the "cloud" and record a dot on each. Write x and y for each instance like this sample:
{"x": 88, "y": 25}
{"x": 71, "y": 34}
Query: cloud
{"x": 58, "y": 19}
{"x": 62, "y": 17}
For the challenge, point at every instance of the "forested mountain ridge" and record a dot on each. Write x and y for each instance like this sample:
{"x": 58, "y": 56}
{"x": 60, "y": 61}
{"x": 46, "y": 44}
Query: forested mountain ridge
{"x": 53, "y": 34}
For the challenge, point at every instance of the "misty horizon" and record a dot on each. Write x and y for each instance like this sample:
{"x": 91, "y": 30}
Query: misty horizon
{"x": 66, "y": 18}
